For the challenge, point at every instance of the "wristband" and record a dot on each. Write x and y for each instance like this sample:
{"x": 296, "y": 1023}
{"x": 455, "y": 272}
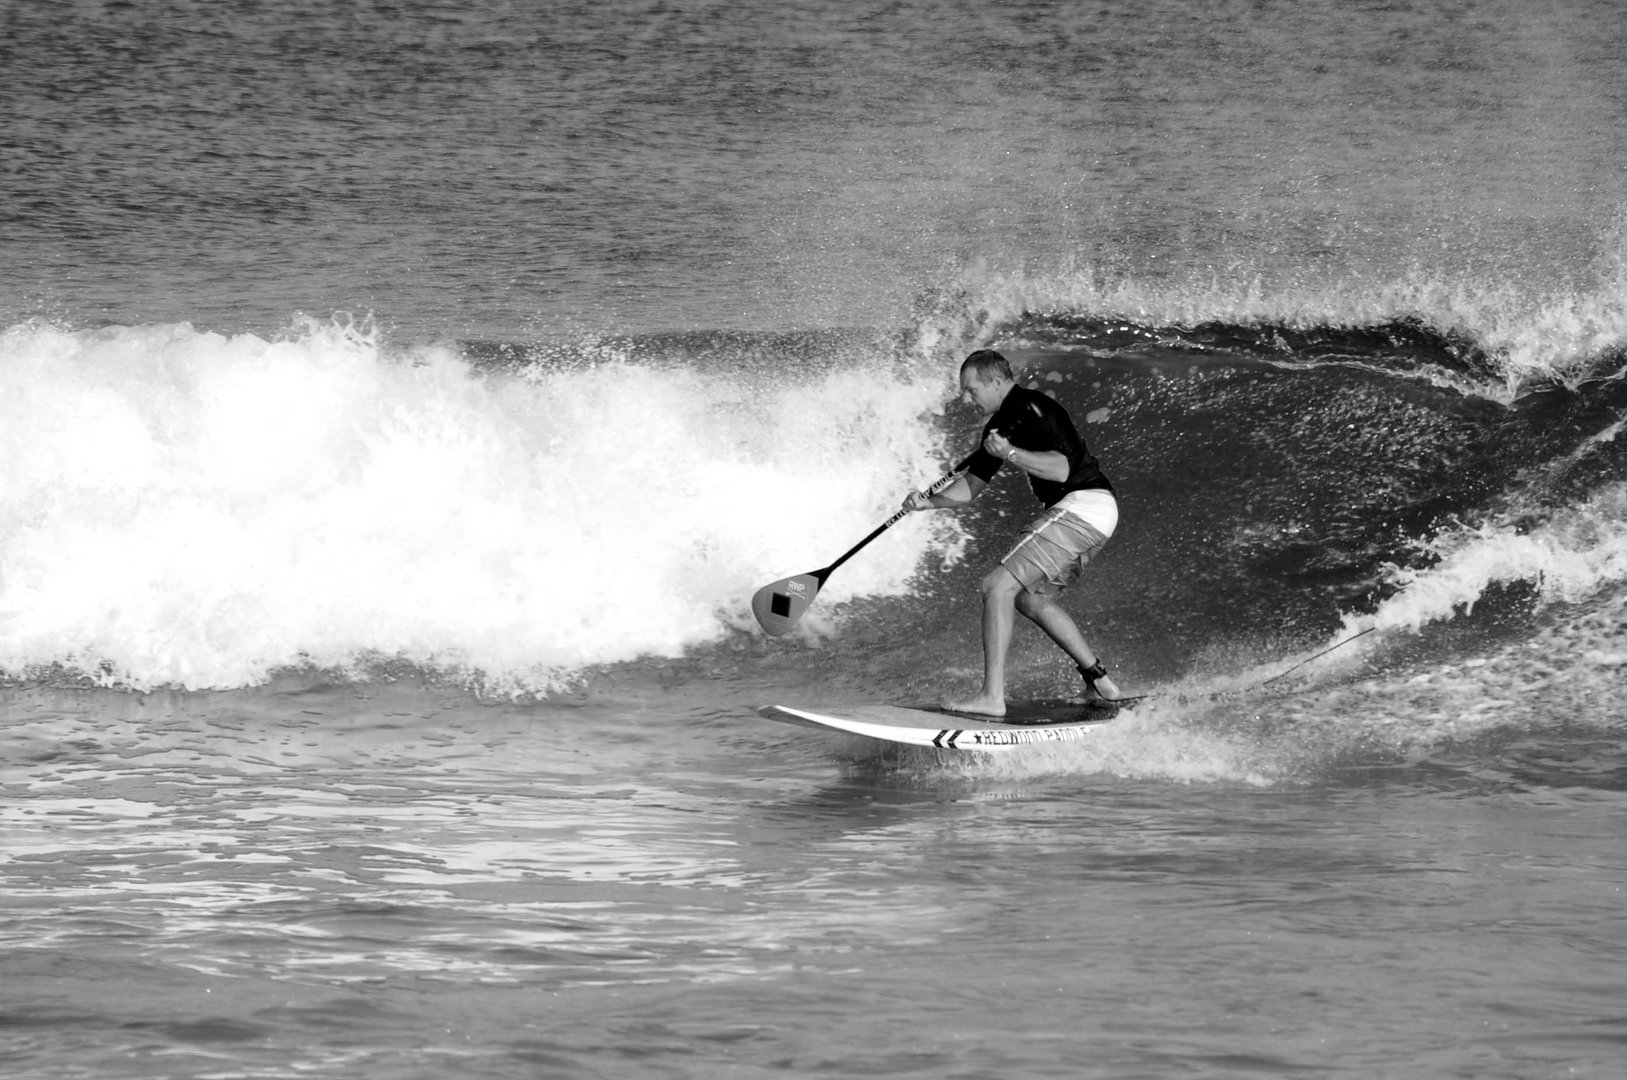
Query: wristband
{"x": 1011, "y": 454}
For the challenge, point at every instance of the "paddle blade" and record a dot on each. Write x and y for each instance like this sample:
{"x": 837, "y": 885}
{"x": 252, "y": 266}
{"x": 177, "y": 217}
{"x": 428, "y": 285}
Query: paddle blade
{"x": 779, "y": 606}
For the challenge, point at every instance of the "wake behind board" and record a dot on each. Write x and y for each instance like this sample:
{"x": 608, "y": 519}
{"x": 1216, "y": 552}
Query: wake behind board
{"x": 1042, "y": 722}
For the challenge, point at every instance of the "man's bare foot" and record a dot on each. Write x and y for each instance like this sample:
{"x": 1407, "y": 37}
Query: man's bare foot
{"x": 1106, "y": 689}
{"x": 981, "y": 705}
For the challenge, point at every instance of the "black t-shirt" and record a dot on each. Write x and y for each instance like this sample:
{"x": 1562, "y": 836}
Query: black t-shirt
{"x": 1033, "y": 421}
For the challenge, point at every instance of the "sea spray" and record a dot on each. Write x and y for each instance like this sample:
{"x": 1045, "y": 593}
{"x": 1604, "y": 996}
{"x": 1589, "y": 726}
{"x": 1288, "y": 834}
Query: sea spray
{"x": 189, "y": 509}
{"x": 1567, "y": 556}
{"x": 1565, "y": 335}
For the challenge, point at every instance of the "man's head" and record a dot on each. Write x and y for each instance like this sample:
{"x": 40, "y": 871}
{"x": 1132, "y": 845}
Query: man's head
{"x": 985, "y": 379}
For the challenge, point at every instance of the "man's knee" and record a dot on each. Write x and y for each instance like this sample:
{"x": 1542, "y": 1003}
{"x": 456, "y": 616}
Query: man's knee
{"x": 1031, "y": 604}
{"x": 1001, "y": 585}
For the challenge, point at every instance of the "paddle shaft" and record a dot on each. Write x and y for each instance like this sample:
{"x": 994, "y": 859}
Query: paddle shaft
{"x": 943, "y": 482}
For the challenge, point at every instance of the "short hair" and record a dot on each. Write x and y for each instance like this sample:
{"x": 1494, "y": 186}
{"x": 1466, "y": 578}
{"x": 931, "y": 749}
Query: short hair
{"x": 986, "y": 363}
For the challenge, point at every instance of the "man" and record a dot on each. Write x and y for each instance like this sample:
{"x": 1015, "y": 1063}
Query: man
{"x": 1031, "y": 431}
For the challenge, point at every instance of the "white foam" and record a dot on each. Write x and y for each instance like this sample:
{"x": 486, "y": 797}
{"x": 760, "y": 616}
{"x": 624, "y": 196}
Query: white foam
{"x": 1573, "y": 561}
{"x": 197, "y": 510}
{"x": 1529, "y": 333}
{"x": 1567, "y": 557}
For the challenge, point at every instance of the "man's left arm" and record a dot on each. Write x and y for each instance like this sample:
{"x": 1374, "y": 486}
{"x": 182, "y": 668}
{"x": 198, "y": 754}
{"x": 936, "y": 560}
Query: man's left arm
{"x": 1046, "y": 464}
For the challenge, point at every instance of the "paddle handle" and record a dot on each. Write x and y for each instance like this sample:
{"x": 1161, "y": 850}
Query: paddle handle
{"x": 938, "y": 485}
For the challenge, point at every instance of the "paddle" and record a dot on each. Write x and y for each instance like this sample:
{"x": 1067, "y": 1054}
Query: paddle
{"x": 780, "y": 606}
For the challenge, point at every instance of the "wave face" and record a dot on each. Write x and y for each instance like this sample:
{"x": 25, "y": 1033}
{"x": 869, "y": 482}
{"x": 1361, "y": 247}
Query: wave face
{"x": 193, "y": 510}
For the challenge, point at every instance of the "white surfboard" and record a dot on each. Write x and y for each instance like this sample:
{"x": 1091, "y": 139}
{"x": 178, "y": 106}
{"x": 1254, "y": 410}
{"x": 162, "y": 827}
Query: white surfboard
{"x": 946, "y": 730}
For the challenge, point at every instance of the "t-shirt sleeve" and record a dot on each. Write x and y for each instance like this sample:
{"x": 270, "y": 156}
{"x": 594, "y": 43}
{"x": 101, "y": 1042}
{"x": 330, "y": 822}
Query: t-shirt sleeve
{"x": 984, "y": 465}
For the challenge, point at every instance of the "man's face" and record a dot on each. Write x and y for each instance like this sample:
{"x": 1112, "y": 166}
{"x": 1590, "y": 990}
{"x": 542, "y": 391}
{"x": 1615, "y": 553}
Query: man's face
{"x": 983, "y": 396}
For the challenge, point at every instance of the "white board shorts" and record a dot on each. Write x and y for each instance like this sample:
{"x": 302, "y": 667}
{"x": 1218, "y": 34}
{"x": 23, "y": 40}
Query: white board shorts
{"x": 1058, "y": 544}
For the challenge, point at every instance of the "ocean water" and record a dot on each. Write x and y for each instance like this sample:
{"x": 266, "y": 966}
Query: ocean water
{"x": 401, "y": 402}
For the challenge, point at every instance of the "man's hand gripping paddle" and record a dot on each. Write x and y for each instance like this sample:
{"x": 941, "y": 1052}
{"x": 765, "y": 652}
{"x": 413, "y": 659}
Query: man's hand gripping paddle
{"x": 780, "y": 606}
